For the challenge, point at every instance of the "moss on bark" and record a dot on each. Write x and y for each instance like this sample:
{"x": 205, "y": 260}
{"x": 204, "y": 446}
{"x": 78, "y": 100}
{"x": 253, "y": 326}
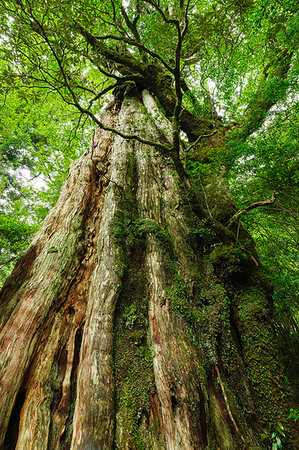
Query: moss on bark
{"x": 178, "y": 349}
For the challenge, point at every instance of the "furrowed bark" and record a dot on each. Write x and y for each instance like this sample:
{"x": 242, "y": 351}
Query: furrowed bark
{"x": 94, "y": 413}
{"x": 177, "y": 382}
{"x": 43, "y": 309}
{"x": 126, "y": 328}
{"x": 178, "y": 365}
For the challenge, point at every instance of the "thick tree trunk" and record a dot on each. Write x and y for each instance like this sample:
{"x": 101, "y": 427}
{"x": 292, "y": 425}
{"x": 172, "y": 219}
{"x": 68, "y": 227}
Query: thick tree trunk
{"x": 122, "y": 327}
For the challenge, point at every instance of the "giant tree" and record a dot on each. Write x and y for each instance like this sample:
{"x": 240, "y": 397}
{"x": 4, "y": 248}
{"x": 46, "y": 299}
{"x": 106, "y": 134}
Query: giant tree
{"x": 140, "y": 316}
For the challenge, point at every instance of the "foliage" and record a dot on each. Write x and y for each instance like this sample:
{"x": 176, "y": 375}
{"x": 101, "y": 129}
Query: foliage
{"x": 38, "y": 143}
{"x": 269, "y": 163}
{"x": 224, "y": 73}
{"x": 228, "y": 66}
{"x": 130, "y": 316}
{"x": 294, "y": 414}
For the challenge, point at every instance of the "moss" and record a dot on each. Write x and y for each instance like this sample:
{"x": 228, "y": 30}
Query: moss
{"x": 230, "y": 262}
{"x": 212, "y": 320}
{"x": 132, "y": 357}
{"x": 177, "y": 294}
{"x": 134, "y": 383}
{"x": 224, "y": 252}
{"x": 261, "y": 358}
{"x": 123, "y": 217}
{"x": 207, "y": 318}
{"x": 144, "y": 226}
{"x": 128, "y": 230}
{"x": 52, "y": 250}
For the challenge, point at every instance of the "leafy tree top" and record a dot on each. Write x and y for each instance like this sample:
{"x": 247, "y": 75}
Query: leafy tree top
{"x": 232, "y": 55}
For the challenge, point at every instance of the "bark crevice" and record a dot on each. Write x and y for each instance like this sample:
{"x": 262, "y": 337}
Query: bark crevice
{"x": 12, "y": 432}
{"x": 136, "y": 331}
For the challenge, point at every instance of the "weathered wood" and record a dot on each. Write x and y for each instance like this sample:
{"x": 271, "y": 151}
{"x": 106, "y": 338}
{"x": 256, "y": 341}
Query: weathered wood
{"x": 120, "y": 328}
{"x": 45, "y": 315}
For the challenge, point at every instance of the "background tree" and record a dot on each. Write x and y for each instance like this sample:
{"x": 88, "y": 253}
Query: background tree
{"x": 141, "y": 315}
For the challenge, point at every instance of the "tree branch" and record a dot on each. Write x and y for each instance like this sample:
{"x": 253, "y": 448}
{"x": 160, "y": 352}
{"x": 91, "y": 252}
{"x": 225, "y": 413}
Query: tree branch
{"x": 99, "y": 47}
{"x": 161, "y": 12}
{"x": 270, "y": 90}
{"x": 139, "y": 45}
{"x": 177, "y": 82}
{"x": 199, "y": 138}
{"x": 252, "y": 206}
{"x": 227, "y": 404}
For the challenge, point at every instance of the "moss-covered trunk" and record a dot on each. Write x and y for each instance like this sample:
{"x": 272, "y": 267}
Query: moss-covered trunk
{"x": 129, "y": 323}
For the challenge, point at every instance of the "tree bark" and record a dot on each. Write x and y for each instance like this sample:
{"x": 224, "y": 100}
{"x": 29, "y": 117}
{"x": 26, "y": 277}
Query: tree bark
{"x": 122, "y": 327}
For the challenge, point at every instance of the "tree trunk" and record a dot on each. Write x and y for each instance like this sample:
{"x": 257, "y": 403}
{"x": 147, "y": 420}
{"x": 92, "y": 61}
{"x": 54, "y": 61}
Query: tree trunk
{"x": 123, "y": 326}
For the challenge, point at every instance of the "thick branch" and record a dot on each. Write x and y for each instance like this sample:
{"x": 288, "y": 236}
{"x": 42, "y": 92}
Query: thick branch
{"x": 199, "y": 139}
{"x": 153, "y": 78}
{"x": 99, "y": 47}
{"x": 131, "y": 25}
{"x": 269, "y": 92}
{"x": 139, "y": 45}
